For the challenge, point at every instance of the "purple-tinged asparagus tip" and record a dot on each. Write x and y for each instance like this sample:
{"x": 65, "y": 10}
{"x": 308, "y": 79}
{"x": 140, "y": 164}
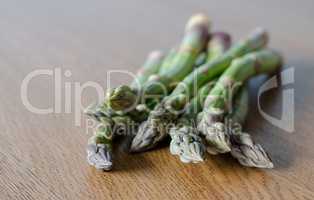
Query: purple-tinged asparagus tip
{"x": 222, "y": 38}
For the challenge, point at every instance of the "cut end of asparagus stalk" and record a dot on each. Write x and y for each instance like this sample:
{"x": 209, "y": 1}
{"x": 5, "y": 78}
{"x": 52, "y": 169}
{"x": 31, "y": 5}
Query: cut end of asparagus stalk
{"x": 249, "y": 154}
{"x": 198, "y": 20}
{"x": 187, "y": 144}
{"x": 259, "y": 37}
{"x": 224, "y": 37}
{"x": 221, "y": 39}
{"x": 156, "y": 55}
{"x": 99, "y": 155}
{"x": 121, "y": 98}
{"x": 219, "y": 43}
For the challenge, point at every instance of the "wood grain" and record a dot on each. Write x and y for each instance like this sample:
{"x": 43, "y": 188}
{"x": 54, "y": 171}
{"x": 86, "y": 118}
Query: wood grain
{"x": 43, "y": 156}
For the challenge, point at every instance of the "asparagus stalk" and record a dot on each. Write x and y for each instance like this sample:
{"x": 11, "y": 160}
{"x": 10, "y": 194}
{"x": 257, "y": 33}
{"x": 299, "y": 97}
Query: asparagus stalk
{"x": 200, "y": 60}
{"x": 157, "y": 125}
{"x": 166, "y": 64}
{"x": 218, "y": 44}
{"x": 150, "y": 67}
{"x": 185, "y": 140}
{"x": 241, "y": 69}
{"x": 243, "y": 147}
{"x": 194, "y": 41}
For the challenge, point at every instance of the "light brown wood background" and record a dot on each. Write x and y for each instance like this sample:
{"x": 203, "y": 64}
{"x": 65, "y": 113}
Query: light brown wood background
{"x": 43, "y": 156}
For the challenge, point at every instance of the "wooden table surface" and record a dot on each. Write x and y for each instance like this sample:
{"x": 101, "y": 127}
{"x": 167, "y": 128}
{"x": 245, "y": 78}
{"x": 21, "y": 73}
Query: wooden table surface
{"x": 42, "y": 156}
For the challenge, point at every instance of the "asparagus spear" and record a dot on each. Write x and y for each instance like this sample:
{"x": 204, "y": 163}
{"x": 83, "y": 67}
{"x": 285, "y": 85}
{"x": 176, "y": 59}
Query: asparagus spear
{"x": 195, "y": 38}
{"x": 156, "y": 127}
{"x": 99, "y": 148}
{"x": 241, "y": 69}
{"x": 185, "y": 140}
{"x": 242, "y": 146}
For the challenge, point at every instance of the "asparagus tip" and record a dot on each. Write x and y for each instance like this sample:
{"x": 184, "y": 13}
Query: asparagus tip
{"x": 99, "y": 156}
{"x": 154, "y": 129}
{"x": 249, "y": 154}
{"x": 121, "y": 98}
{"x": 142, "y": 139}
{"x": 216, "y": 137}
{"x": 187, "y": 145}
{"x": 135, "y": 145}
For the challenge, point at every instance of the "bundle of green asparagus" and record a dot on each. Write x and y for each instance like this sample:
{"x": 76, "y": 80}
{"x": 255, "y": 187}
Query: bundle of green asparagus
{"x": 196, "y": 94}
